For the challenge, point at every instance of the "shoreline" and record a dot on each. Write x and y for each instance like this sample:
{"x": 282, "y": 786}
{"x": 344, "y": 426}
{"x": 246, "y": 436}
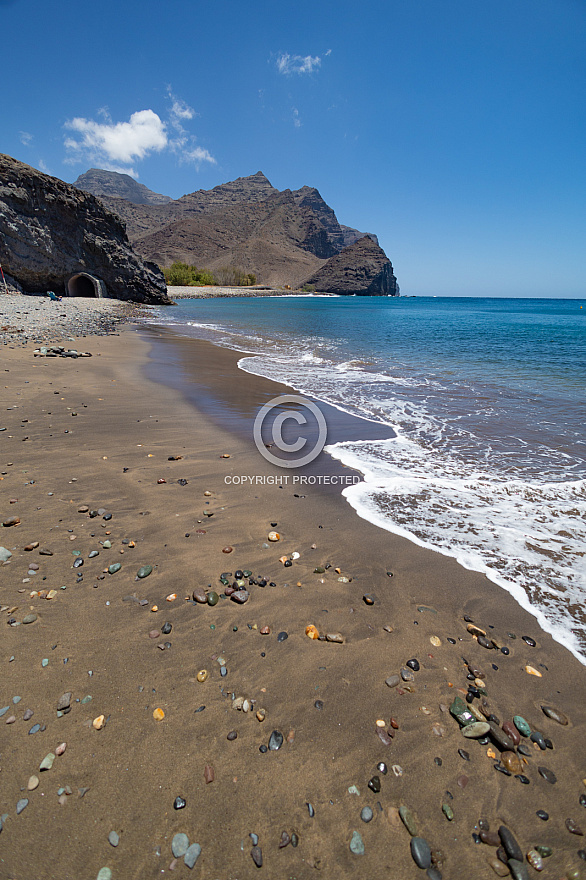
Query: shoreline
{"x": 100, "y": 433}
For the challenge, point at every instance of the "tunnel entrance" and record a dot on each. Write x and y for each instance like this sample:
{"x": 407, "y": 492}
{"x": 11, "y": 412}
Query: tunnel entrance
{"x": 85, "y": 285}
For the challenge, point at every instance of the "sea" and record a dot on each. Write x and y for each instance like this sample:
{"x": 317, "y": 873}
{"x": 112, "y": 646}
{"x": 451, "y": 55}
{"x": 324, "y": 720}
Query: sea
{"x": 486, "y": 398}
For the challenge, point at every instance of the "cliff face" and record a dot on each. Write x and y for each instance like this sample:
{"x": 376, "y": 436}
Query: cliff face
{"x": 283, "y": 237}
{"x": 51, "y": 233}
{"x": 362, "y": 268}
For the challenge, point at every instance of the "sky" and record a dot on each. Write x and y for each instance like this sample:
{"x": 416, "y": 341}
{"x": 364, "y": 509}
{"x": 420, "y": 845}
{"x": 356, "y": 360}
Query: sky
{"x": 454, "y": 130}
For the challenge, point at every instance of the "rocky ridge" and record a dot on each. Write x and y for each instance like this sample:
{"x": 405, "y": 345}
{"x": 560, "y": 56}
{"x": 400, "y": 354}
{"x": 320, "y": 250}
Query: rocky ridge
{"x": 362, "y": 268}
{"x": 122, "y": 186}
{"x": 52, "y": 232}
{"x": 284, "y": 237}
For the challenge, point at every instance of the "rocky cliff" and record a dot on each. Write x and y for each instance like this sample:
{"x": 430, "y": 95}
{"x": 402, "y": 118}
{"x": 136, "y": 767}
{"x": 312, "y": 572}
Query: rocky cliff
{"x": 118, "y": 186}
{"x": 284, "y": 237}
{"x": 362, "y": 268}
{"x": 55, "y": 237}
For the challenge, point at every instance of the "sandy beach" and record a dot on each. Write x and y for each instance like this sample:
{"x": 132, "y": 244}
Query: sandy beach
{"x": 277, "y": 754}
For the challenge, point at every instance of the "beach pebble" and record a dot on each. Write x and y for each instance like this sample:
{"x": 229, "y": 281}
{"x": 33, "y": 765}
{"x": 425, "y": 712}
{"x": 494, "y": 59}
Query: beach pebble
{"x": 240, "y": 596}
{"x": 21, "y": 805}
{"x": 521, "y": 725}
{"x": 393, "y": 680}
{"x": 64, "y": 702}
{"x": 104, "y": 874}
{"x": 179, "y": 845}
{"x": 573, "y": 827}
{"x": 531, "y": 670}
{"x": 273, "y": 537}
{"x": 144, "y": 571}
{"x": 535, "y": 860}
{"x": 208, "y": 773}
{"x": 420, "y": 852}
{"x": 366, "y": 814}
{"x": 113, "y": 838}
{"x": 368, "y": 600}
{"x": 199, "y": 596}
{"x": 192, "y": 855}
{"x": 60, "y": 749}
{"x": 547, "y": 774}
{"x": 476, "y": 729}
{"x": 552, "y": 713}
{"x": 179, "y": 803}
{"x": 158, "y": 715}
{"x": 29, "y": 618}
{"x": 408, "y": 821}
{"x": 99, "y": 722}
{"x": 47, "y": 762}
{"x": 357, "y": 844}
{"x": 256, "y": 854}
{"x": 276, "y": 740}
{"x": 512, "y": 762}
{"x": 32, "y": 783}
{"x": 512, "y": 848}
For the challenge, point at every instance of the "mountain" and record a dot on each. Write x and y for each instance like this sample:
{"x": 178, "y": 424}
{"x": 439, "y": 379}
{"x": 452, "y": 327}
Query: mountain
{"x": 118, "y": 186}
{"x": 283, "y": 237}
{"x": 55, "y": 237}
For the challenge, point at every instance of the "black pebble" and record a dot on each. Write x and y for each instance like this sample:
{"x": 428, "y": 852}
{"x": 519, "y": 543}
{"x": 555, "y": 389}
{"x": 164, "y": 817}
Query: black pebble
{"x": 464, "y": 754}
{"x": 282, "y": 636}
{"x": 541, "y": 814}
{"x": 414, "y": 665}
{"x": 582, "y": 800}
{"x": 263, "y": 654}
{"x": 107, "y": 516}
{"x": 310, "y": 810}
{"x": 374, "y": 784}
{"x": 498, "y": 766}
{"x": 476, "y": 837}
{"x": 382, "y": 768}
{"x": 263, "y": 749}
{"x": 451, "y": 641}
{"x": 179, "y": 803}
{"x": 505, "y": 650}
{"x": 232, "y": 736}
{"x": 529, "y": 641}
{"x": 522, "y": 778}
{"x": 238, "y": 574}
{"x": 582, "y": 854}
{"x": 166, "y": 629}
{"x": 287, "y": 563}
{"x": 483, "y": 825}
{"x": 319, "y": 704}
{"x": 438, "y": 761}
{"x": 201, "y": 708}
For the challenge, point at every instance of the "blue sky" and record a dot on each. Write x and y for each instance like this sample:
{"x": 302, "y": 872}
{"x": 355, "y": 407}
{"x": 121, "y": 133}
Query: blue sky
{"x": 454, "y": 130}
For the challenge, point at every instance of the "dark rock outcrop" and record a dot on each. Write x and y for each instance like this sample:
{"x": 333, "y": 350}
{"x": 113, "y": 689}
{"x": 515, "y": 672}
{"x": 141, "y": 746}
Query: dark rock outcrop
{"x": 362, "y": 268}
{"x": 51, "y": 233}
{"x": 118, "y": 186}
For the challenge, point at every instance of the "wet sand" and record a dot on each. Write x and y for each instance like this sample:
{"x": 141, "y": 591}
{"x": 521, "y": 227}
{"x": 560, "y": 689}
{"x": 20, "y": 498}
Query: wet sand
{"x": 99, "y": 434}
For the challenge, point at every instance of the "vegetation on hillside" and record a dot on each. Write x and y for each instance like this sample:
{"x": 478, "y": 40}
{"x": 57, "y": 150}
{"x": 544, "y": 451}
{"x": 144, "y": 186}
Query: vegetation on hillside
{"x": 184, "y": 275}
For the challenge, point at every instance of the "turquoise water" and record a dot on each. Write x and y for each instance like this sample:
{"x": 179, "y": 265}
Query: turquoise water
{"x": 486, "y": 398}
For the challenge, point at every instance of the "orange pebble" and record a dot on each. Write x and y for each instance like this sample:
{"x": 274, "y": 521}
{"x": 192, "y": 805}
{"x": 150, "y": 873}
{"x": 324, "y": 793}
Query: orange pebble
{"x": 311, "y": 631}
{"x": 158, "y": 714}
{"x": 171, "y": 597}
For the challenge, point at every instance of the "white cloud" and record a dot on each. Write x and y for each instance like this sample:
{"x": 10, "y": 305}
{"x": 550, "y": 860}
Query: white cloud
{"x": 112, "y": 145}
{"x": 25, "y": 137}
{"x": 43, "y": 167}
{"x": 197, "y": 155}
{"x": 117, "y": 141}
{"x": 288, "y": 64}
{"x": 296, "y": 119}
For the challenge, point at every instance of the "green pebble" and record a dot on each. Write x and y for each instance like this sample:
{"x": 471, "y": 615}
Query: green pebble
{"x": 107, "y": 544}
{"x": 47, "y": 762}
{"x": 87, "y": 699}
{"x": 448, "y": 812}
{"x": 112, "y": 569}
{"x": 44, "y": 662}
{"x": 144, "y": 571}
{"x": 357, "y": 844}
{"x": 235, "y": 629}
{"x": 521, "y": 725}
{"x": 104, "y": 874}
{"x": 212, "y": 598}
{"x": 544, "y": 851}
{"x": 212, "y": 625}
{"x": 321, "y": 570}
{"x": 247, "y": 573}
{"x": 408, "y": 820}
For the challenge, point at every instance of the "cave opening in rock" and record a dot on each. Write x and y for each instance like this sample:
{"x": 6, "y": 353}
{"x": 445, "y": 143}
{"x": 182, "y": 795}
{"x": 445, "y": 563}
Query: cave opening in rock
{"x": 84, "y": 285}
